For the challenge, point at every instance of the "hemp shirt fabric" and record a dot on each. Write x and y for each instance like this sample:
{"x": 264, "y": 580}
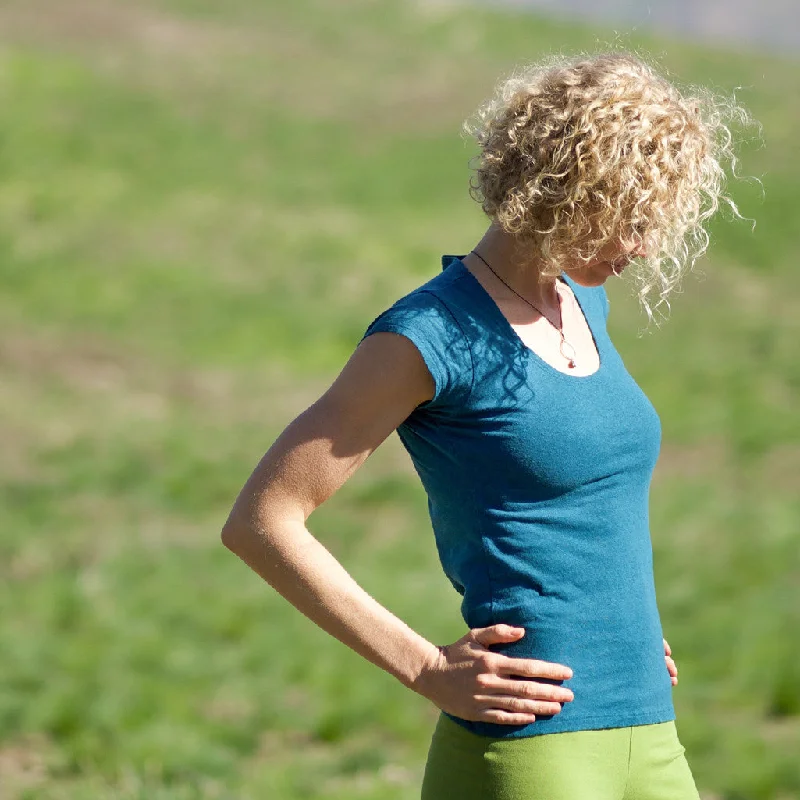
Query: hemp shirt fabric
{"x": 538, "y": 493}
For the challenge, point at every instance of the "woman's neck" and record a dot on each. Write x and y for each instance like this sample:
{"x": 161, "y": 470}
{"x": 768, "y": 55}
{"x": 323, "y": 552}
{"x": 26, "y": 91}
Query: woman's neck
{"x": 518, "y": 268}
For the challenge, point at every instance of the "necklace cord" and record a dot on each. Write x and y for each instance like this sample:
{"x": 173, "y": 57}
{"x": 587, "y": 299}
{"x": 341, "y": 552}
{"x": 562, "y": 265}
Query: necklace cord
{"x": 559, "y": 327}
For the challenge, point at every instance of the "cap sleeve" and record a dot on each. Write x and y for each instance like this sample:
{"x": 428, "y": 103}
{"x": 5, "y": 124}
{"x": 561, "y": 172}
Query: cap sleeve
{"x": 428, "y": 323}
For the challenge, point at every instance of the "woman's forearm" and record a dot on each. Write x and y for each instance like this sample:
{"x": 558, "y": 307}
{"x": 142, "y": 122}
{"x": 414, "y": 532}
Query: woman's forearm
{"x": 302, "y": 570}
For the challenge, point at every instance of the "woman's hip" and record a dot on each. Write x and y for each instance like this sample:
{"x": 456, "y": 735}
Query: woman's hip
{"x": 643, "y": 762}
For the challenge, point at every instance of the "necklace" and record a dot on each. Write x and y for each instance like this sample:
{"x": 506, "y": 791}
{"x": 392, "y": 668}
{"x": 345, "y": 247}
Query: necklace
{"x": 560, "y": 327}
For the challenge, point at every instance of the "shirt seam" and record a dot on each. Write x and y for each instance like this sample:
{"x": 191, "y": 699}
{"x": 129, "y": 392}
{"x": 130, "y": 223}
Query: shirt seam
{"x": 657, "y": 711}
{"x": 480, "y": 514}
{"x": 632, "y": 719}
{"x": 478, "y": 510}
{"x": 630, "y": 753}
{"x": 465, "y": 337}
{"x": 480, "y": 728}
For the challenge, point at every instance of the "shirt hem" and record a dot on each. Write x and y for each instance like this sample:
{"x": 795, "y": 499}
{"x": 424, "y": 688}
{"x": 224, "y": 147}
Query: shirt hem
{"x": 594, "y": 722}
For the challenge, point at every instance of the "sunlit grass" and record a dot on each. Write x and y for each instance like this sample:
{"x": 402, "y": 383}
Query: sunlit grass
{"x": 203, "y": 207}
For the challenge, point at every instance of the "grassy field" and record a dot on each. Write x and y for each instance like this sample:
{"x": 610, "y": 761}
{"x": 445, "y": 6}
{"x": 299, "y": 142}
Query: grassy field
{"x": 202, "y": 206}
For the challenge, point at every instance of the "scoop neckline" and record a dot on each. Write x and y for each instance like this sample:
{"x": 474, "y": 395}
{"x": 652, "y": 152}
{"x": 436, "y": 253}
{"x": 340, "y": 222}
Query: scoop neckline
{"x": 509, "y": 328}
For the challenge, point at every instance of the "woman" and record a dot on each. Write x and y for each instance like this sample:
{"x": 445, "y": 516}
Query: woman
{"x": 534, "y": 444}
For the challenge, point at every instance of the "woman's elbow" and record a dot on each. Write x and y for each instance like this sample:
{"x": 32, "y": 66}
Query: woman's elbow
{"x": 236, "y": 532}
{"x": 254, "y": 527}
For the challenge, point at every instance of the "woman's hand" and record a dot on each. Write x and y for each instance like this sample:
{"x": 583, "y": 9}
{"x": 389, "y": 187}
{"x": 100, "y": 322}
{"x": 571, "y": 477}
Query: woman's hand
{"x": 470, "y": 681}
{"x": 673, "y": 670}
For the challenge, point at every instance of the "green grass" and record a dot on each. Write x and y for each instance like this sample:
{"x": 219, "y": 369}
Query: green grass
{"x": 203, "y": 206}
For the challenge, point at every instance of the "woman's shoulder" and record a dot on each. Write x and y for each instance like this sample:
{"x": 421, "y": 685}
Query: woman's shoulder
{"x": 428, "y": 317}
{"x": 433, "y": 303}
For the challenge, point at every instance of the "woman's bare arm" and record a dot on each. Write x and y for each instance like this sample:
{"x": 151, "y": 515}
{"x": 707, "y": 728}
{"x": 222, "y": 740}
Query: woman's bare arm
{"x": 381, "y": 384}
{"x": 384, "y": 380}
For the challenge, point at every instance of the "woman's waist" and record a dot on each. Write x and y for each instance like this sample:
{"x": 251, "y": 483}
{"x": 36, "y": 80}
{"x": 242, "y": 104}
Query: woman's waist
{"x": 602, "y": 659}
{"x": 597, "y": 610}
{"x": 554, "y": 638}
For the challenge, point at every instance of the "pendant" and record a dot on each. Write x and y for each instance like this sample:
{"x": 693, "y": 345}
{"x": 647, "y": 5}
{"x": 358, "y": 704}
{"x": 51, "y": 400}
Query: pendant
{"x": 570, "y": 358}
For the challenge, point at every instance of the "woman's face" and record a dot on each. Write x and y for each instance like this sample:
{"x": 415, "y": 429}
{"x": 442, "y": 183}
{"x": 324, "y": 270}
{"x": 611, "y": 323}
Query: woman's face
{"x": 609, "y": 262}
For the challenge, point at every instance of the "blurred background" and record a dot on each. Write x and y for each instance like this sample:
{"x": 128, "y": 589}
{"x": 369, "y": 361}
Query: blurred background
{"x": 202, "y": 207}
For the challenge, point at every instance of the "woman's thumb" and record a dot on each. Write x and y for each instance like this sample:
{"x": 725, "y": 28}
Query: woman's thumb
{"x": 495, "y": 634}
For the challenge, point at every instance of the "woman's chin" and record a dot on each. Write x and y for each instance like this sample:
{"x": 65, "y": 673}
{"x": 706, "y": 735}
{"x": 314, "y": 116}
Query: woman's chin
{"x": 596, "y": 276}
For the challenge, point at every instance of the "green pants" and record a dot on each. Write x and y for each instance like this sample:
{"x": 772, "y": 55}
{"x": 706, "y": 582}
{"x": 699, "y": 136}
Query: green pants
{"x": 643, "y": 762}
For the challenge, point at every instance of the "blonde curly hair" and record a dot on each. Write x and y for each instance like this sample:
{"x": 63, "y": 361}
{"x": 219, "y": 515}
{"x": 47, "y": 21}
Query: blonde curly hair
{"x": 577, "y": 153}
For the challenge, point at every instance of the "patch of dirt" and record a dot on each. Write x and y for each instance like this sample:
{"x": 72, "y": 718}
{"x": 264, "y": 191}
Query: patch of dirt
{"x": 779, "y": 470}
{"x": 62, "y": 391}
{"x": 133, "y": 385}
{"x": 109, "y": 25}
{"x": 23, "y": 766}
{"x": 706, "y": 458}
{"x": 355, "y": 75}
{"x": 135, "y": 43}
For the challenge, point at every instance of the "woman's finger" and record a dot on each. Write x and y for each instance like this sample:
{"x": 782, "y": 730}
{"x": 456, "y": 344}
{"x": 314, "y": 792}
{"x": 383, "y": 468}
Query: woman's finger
{"x": 494, "y": 684}
{"x": 533, "y": 668}
{"x": 667, "y": 648}
{"x": 671, "y": 666}
{"x": 504, "y": 718}
{"x": 518, "y": 705}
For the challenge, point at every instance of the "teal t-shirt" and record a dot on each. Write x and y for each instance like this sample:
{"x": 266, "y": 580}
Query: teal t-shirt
{"x": 538, "y": 491}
